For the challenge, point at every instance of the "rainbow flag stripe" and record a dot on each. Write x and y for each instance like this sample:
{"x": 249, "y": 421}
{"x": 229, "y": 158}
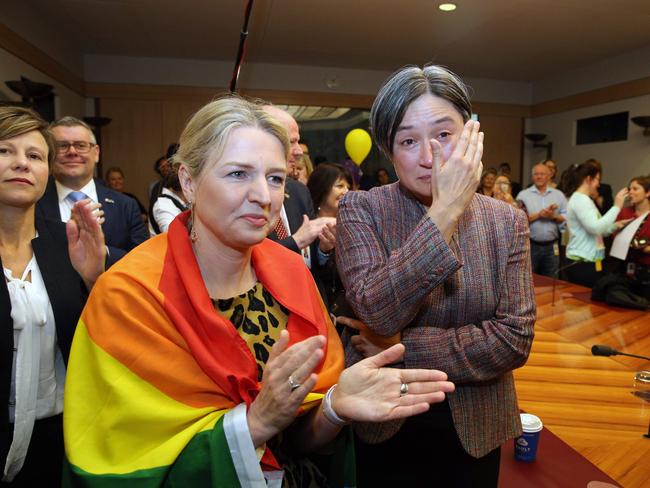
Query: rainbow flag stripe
{"x": 155, "y": 373}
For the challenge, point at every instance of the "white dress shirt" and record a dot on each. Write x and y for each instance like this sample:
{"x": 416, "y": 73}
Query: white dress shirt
{"x": 65, "y": 205}
{"x": 38, "y": 372}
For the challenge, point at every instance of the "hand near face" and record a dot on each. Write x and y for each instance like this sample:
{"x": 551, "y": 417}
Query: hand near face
{"x": 86, "y": 244}
{"x": 370, "y": 392}
{"x": 619, "y": 199}
{"x": 276, "y": 406}
{"x": 454, "y": 182}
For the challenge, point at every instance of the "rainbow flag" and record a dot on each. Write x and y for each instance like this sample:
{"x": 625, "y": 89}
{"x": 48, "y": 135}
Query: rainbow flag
{"x": 158, "y": 382}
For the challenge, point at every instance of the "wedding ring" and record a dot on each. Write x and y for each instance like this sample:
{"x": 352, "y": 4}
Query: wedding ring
{"x": 403, "y": 389}
{"x": 293, "y": 385}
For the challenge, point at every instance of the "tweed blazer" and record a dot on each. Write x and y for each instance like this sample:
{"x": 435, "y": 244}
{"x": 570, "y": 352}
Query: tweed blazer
{"x": 466, "y": 308}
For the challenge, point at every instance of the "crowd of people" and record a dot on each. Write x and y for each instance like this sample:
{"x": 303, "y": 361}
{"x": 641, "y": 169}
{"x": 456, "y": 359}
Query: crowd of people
{"x": 574, "y": 222}
{"x": 273, "y": 326}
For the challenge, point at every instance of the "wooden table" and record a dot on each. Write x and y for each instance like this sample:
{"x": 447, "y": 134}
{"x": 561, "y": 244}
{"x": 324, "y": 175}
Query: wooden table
{"x": 584, "y": 400}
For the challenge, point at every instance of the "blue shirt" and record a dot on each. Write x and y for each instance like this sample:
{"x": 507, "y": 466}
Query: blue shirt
{"x": 543, "y": 230}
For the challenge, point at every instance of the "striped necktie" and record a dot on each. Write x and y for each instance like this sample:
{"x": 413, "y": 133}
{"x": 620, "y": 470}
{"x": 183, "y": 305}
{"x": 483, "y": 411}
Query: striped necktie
{"x": 280, "y": 229}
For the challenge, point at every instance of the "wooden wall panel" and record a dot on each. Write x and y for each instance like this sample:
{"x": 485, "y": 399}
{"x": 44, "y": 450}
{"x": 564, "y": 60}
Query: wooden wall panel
{"x": 175, "y": 115}
{"x": 133, "y": 140}
{"x": 503, "y": 139}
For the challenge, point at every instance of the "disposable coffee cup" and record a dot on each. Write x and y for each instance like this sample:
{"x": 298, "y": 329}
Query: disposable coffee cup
{"x": 526, "y": 444}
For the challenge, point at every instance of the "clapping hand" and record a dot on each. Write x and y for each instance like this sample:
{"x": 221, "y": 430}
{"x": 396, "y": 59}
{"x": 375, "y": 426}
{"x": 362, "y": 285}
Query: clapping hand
{"x": 309, "y": 231}
{"x": 327, "y": 237}
{"x": 86, "y": 245}
{"x": 288, "y": 377}
{"x": 370, "y": 392}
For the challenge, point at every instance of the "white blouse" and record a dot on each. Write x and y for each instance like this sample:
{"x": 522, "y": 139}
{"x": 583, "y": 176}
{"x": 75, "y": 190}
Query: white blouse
{"x": 164, "y": 211}
{"x": 38, "y": 372}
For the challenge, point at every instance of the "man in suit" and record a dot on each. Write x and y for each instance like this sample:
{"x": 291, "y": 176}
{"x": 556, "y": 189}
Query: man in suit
{"x": 77, "y": 154}
{"x": 313, "y": 237}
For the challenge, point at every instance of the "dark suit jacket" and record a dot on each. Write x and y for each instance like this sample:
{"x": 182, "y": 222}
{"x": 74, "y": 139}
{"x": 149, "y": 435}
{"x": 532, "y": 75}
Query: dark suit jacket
{"x": 298, "y": 202}
{"x": 467, "y": 308}
{"x": 605, "y": 191}
{"x": 123, "y": 227}
{"x": 67, "y": 294}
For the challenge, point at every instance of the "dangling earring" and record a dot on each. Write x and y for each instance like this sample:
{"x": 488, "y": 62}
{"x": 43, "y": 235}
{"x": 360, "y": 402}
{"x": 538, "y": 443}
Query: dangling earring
{"x": 193, "y": 235}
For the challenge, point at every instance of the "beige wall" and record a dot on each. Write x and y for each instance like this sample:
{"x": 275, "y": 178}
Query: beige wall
{"x": 502, "y": 142}
{"x": 621, "y": 160}
{"x": 67, "y": 102}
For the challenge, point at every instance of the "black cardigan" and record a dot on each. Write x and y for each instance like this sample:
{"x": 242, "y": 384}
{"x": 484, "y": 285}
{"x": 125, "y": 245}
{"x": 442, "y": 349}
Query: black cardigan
{"x": 67, "y": 294}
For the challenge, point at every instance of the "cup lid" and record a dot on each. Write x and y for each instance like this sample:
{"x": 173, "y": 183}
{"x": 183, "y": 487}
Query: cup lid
{"x": 530, "y": 422}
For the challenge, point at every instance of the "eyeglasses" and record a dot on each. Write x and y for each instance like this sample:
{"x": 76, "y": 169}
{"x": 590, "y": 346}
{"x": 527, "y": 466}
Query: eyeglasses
{"x": 81, "y": 147}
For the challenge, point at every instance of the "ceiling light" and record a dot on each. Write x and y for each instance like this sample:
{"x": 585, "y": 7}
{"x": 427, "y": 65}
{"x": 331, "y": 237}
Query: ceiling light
{"x": 447, "y": 7}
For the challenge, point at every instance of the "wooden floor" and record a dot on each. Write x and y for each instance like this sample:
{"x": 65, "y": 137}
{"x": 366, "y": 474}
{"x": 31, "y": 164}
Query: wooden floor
{"x": 587, "y": 401}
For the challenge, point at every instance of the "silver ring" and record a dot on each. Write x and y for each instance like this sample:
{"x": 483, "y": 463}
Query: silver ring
{"x": 292, "y": 384}
{"x": 403, "y": 389}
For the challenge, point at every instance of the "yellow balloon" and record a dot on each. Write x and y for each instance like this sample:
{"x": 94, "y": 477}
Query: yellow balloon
{"x": 358, "y": 145}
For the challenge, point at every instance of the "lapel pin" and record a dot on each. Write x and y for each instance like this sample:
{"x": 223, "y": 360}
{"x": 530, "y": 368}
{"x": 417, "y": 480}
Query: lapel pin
{"x": 108, "y": 200}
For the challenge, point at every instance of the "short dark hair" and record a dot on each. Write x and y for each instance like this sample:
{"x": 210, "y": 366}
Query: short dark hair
{"x": 156, "y": 165}
{"x": 171, "y": 150}
{"x": 402, "y": 88}
{"x": 644, "y": 181}
{"x": 114, "y": 169}
{"x": 323, "y": 178}
{"x": 69, "y": 121}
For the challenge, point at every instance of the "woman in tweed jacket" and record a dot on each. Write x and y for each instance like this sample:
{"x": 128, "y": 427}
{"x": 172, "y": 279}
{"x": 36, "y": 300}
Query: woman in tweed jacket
{"x": 446, "y": 272}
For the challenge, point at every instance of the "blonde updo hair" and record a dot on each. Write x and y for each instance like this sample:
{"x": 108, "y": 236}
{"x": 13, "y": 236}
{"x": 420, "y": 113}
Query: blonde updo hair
{"x": 204, "y": 138}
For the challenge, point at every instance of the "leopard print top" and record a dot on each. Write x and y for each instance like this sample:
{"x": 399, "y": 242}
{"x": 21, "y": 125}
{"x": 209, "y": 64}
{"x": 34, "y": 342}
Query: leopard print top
{"x": 258, "y": 318}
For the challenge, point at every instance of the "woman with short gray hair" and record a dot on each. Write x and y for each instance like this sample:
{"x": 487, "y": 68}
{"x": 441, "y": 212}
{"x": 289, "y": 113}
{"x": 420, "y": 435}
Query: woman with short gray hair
{"x": 429, "y": 263}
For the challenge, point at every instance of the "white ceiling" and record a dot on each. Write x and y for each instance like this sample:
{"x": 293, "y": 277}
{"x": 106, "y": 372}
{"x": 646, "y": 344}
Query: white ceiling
{"x": 522, "y": 40}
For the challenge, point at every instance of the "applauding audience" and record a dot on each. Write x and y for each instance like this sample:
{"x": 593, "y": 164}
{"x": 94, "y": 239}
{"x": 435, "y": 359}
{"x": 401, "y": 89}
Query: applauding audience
{"x": 546, "y": 208}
